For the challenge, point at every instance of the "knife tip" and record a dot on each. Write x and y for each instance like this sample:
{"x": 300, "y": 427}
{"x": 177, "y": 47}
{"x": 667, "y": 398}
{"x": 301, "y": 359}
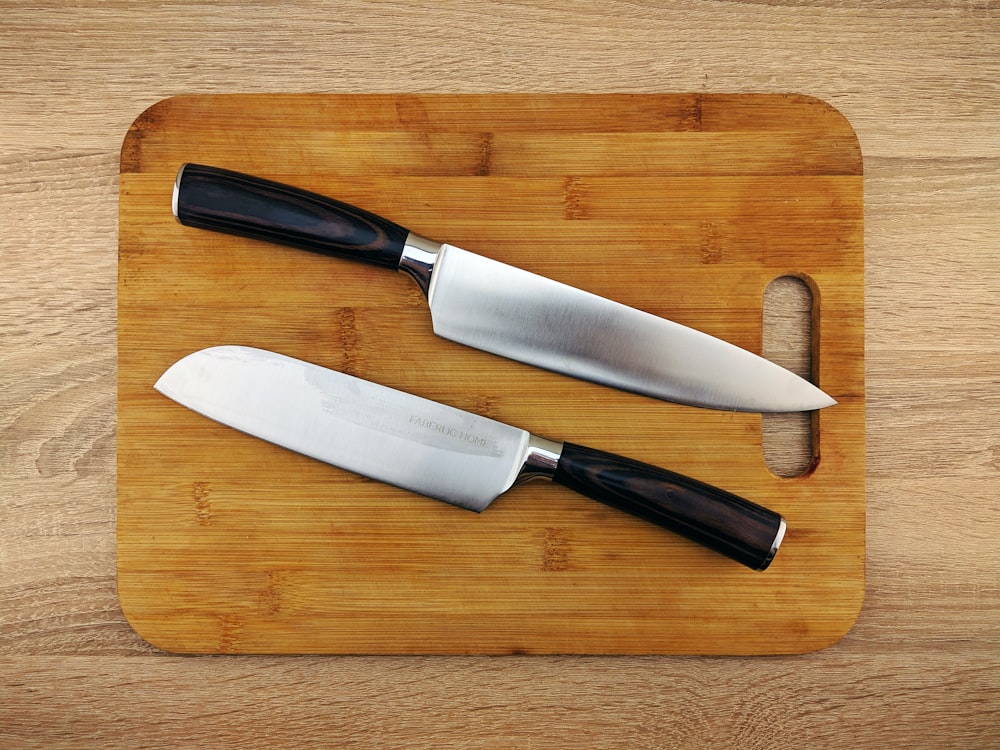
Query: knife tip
{"x": 822, "y": 401}
{"x": 825, "y": 400}
{"x": 799, "y": 400}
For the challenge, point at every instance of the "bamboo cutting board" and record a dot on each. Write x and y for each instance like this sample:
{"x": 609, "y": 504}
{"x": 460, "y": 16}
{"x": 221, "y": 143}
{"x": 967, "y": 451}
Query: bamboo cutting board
{"x": 686, "y": 206}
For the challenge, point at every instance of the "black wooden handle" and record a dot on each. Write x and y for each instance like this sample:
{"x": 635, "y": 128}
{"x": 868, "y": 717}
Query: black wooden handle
{"x": 744, "y": 531}
{"x": 235, "y": 203}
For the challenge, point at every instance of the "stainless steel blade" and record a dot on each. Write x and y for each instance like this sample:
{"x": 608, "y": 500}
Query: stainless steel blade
{"x": 517, "y": 314}
{"x": 366, "y": 428}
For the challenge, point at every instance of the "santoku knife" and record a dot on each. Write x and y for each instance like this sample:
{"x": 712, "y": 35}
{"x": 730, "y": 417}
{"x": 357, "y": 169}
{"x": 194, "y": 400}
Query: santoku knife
{"x": 448, "y": 454}
{"x": 499, "y": 308}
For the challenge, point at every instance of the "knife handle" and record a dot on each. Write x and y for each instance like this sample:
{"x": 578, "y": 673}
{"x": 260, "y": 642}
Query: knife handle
{"x": 738, "y": 528}
{"x": 240, "y": 204}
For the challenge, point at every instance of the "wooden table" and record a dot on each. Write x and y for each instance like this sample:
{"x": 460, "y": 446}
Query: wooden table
{"x": 918, "y": 81}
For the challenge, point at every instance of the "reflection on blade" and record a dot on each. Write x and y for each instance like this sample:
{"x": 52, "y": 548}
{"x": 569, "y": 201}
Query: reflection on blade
{"x": 397, "y": 438}
{"x": 523, "y": 316}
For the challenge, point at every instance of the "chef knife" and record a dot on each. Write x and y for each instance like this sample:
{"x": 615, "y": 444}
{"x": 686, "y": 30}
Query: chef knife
{"x": 499, "y": 308}
{"x": 445, "y": 453}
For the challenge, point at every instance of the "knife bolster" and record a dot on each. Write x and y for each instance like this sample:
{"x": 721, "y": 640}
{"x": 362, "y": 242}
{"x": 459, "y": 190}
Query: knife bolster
{"x": 541, "y": 458}
{"x": 418, "y": 259}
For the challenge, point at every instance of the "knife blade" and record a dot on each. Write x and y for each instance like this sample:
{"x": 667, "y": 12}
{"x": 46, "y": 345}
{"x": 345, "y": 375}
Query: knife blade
{"x": 498, "y": 308}
{"x": 446, "y": 453}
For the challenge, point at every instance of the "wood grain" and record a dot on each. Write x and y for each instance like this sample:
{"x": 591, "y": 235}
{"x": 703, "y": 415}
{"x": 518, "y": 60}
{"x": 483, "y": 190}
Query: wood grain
{"x": 251, "y": 569}
{"x": 918, "y": 82}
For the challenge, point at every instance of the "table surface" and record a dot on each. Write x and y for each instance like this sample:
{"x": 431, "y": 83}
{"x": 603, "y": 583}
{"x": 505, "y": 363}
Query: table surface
{"x": 919, "y": 82}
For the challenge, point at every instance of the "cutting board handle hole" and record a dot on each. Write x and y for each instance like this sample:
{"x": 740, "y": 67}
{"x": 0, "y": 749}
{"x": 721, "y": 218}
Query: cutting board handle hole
{"x": 788, "y": 440}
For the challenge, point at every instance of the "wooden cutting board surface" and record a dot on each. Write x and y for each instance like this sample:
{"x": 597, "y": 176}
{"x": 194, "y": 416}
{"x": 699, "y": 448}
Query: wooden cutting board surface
{"x": 687, "y": 206}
